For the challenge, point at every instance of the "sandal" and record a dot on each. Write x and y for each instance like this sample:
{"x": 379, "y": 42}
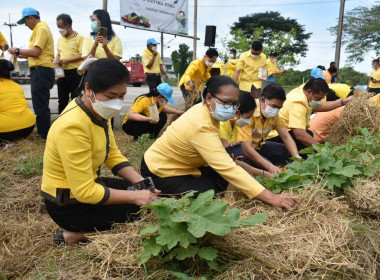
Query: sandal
{"x": 59, "y": 239}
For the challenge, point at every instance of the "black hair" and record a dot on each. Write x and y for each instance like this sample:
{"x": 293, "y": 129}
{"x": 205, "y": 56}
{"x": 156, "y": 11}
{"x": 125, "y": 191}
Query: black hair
{"x": 332, "y": 63}
{"x": 376, "y": 60}
{"x": 105, "y": 73}
{"x": 154, "y": 92}
{"x": 332, "y": 69}
{"x": 274, "y": 54}
{"x": 274, "y": 91}
{"x": 247, "y": 102}
{"x": 5, "y": 68}
{"x": 321, "y": 67}
{"x": 105, "y": 21}
{"x": 257, "y": 46}
{"x": 36, "y": 16}
{"x": 66, "y": 19}
{"x": 214, "y": 83}
{"x": 317, "y": 85}
{"x": 211, "y": 52}
{"x": 233, "y": 50}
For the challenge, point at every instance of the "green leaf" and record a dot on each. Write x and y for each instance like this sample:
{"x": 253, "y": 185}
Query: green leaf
{"x": 149, "y": 228}
{"x": 258, "y": 218}
{"x": 182, "y": 276}
{"x": 348, "y": 171}
{"x": 176, "y": 234}
{"x": 376, "y": 162}
{"x": 306, "y": 151}
{"x": 366, "y": 158}
{"x": 368, "y": 172}
{"x": 151, "y": 248}
{"x": 233, "y": 215}
{"x": 201, "y": 200}
{"x": 208, "y": 253}
{"x": 334, "y": 180}
{"x": 181, "y": 253}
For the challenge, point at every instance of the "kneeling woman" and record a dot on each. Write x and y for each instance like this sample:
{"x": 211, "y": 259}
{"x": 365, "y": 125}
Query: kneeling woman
{"x": 140, "y": 120}
{"x": 17, "y": 120}
{"x": 78, "y": 143}
{"x": 190, "y": 156}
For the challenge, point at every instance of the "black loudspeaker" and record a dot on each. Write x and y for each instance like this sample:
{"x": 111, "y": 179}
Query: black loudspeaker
{"x": 210, "y": 35}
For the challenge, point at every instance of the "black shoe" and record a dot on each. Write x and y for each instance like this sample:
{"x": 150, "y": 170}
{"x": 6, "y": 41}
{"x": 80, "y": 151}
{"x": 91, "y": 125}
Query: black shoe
{"x": 59, "y": 239}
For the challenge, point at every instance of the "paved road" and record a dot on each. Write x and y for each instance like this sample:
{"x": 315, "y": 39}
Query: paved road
{"x": 132, "y": 93}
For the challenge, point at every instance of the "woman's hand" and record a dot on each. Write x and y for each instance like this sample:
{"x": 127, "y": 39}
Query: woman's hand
{"x": 104, "y": 41}
{"x": 273, "y": 169}
{"x": 149, "y": 119}
{"x": 145, "y": 197}
{"x": 284, "y": 200}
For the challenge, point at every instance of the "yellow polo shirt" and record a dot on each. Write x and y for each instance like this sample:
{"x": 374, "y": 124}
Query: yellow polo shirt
{"x": 196, "y": 71}
{"x": 231, "y": 67}
{"x": 114, "y": 45}
{"x": 257, "y": 131}
{"x": 296, "y": 110}
{"x": 272, "y": 68}
{"x": 146, "y": 57}
{"x": 376, "y": 75}
{"x": 70, "y": 47}
{"x": 341, "y": 90}
{"x": 141, "y": 106}
{"x": 376, "y": 99}
{"x": 192, "y": 141}
{"x": 228, "y": 133}
{"x": 249, "y": 67}
{"x": 77, "y": 146}
{"x": 42, "y": 38}
{"x": 14, "y": 111}
{"x": 2, "y": 39}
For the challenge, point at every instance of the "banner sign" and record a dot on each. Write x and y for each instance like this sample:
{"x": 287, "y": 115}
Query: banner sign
{"x": 168, "y": 16}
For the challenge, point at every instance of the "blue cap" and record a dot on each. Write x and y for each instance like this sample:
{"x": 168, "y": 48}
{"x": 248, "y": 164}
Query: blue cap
{"x": 317, "y": 73}
{"x": 28, "y": 12}
{"x": 166, "y": 91}
{"x": 151, "y": 41}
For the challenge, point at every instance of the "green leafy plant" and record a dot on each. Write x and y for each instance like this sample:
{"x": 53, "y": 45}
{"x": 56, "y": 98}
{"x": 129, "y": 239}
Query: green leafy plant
{"x": 335, "y": 166}
{"x": 184, "y": 226}
{"x": 29, "y": 166}
{"x": 136, "y": 149}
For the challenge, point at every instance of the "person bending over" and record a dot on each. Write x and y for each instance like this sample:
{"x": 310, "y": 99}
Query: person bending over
{"x": 139, "y": 121}
{"x": 79, "y": 142}
{"x": 190, "y": 156}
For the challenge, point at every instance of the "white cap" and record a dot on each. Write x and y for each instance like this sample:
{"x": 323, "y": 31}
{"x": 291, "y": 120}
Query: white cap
{"x": 86, "y": 64}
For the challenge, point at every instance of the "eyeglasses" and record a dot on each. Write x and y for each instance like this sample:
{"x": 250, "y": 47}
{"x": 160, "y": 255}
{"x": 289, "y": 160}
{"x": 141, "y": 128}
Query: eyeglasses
{"x": 228, "y": 104}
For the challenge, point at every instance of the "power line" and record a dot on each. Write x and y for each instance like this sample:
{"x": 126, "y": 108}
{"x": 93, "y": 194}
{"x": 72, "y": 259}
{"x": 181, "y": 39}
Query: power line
{"x": 265, "y": 5}
{"x": 10, "y": 27}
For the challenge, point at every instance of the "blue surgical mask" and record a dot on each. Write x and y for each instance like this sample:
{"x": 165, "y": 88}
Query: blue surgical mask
{"x": 94, "y": 26}
{"x": 222, "y": 114}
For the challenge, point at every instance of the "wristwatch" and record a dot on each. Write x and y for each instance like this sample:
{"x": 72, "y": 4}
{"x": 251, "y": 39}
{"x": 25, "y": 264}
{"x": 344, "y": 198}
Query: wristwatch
{"x": 17, "y": 51}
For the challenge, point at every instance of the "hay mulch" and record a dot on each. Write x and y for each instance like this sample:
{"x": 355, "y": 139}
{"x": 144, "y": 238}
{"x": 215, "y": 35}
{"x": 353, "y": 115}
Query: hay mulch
{"x": 365, "y": 197}
{"x": 357, "y": 113}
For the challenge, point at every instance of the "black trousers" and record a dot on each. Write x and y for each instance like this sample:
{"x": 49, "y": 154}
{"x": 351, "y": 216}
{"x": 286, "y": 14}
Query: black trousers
{"x": 300, "y": 146}
{"x": 153, "y": 81}
{"x": 89, "y": 217}
{"x": 136, "y": 129}
{"x": 375, "y": 90}
{"x": 17, "y": 134}
{"x": 67, "y": 86}
{"x": 276, "y": 153}
{"x": 42, "y": 81}
{"x": 209, "y": 180}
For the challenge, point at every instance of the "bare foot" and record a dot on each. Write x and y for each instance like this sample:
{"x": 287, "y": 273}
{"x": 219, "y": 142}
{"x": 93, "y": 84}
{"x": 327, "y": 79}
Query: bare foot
{"x": 73, "y": 238}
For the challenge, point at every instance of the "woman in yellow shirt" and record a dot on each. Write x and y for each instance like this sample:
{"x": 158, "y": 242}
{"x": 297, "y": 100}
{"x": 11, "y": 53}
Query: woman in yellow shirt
{"x": 139, "y": 121}
{"x": 190, "y": 156}
{"x": 99, "y": 46}
{"x": 273, "y": 70}
{"x": 79, "y": 142}
{"x": 17, "y": 120}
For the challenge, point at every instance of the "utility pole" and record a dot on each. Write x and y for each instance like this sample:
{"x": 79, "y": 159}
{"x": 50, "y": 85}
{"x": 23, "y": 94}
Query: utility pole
{"x": 339, "y": 37}
{"x": 195, "y": 29}
{"x": 162, "y": 45}
{"x": 10, "y": 27}
{"x": 105, "y": 5}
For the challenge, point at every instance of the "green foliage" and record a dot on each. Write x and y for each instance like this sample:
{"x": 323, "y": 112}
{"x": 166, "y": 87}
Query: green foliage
{"x": 29, "y": 166}
{"x": 293, "y": 77}
{"x": 335, "y": 166}
{"x": 136, "y": 149}
{"x": 361, "y": 30}
{"x": 351, "y": 77}
{"x": 181, "y": 59}
{"x": 184, "y": 225}
{"x": 284, "y": 35}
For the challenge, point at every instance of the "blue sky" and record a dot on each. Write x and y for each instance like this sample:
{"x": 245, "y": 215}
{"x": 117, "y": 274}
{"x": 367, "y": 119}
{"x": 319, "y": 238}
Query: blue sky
{"x": 316, "y": 16}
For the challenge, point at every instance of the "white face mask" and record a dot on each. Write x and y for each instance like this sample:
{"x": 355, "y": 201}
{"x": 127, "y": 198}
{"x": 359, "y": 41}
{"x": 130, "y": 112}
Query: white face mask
{"x": 231, "y": 55}
{"x": 163, "y": 103}
{"x": 63, "y": 31}
{"x": 243, "y": 122}
{"x": 270, "y": 112}
{"x": 255, "y": 55}
{"x": 274, "y": 59}
{"x": 314, "y": 104}
{"x": 209, "y": 63}
{"x": 154, "y": 48}
{"x": 107, "y": 109}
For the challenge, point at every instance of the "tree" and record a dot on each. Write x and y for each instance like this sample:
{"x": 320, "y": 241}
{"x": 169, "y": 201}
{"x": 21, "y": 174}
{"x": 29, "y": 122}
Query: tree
{"x": 361, "y": 32}
{"x": 181, "y": 59}
{"x": 351, "y": 77}
{"x": 273, "y": 23}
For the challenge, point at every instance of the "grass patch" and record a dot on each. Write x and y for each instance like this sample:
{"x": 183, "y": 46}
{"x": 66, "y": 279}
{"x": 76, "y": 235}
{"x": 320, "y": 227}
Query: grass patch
{"x": 136, "y": 149}
{"x": 29, "y": 166}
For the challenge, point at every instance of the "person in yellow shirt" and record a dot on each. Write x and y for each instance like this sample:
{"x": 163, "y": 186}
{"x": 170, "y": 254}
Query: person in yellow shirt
{"x": 330, "y": 73}
{"x": 374, "y": 80}
{"x": 259, "y": 152}
{"x": 248, "y": 69}
{"x": 17, "y": 120}
{"x": 3, "y": 43}
{"x": 40, "y": 57}
{"x": 138, "y": 120}
{"x": 69, "y": 57}
{"x": 153, "y": 66}
{"x": 197, "y": 72}
{"x": 190, "y": 156}
{"x": 231, "y": 64}
{"x": 99, "y": 46}
{"x": 80, "y": 141}
{"x": 273, "y": 70}
{"x": 338, "y": 90}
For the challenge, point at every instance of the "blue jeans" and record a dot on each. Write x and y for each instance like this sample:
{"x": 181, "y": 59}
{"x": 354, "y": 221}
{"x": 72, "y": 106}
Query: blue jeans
{"x": 42, "y": 80}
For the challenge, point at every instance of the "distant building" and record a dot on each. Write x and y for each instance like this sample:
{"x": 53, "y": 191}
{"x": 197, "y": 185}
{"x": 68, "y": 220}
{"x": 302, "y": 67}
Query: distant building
{"x": 168, "y": 66}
